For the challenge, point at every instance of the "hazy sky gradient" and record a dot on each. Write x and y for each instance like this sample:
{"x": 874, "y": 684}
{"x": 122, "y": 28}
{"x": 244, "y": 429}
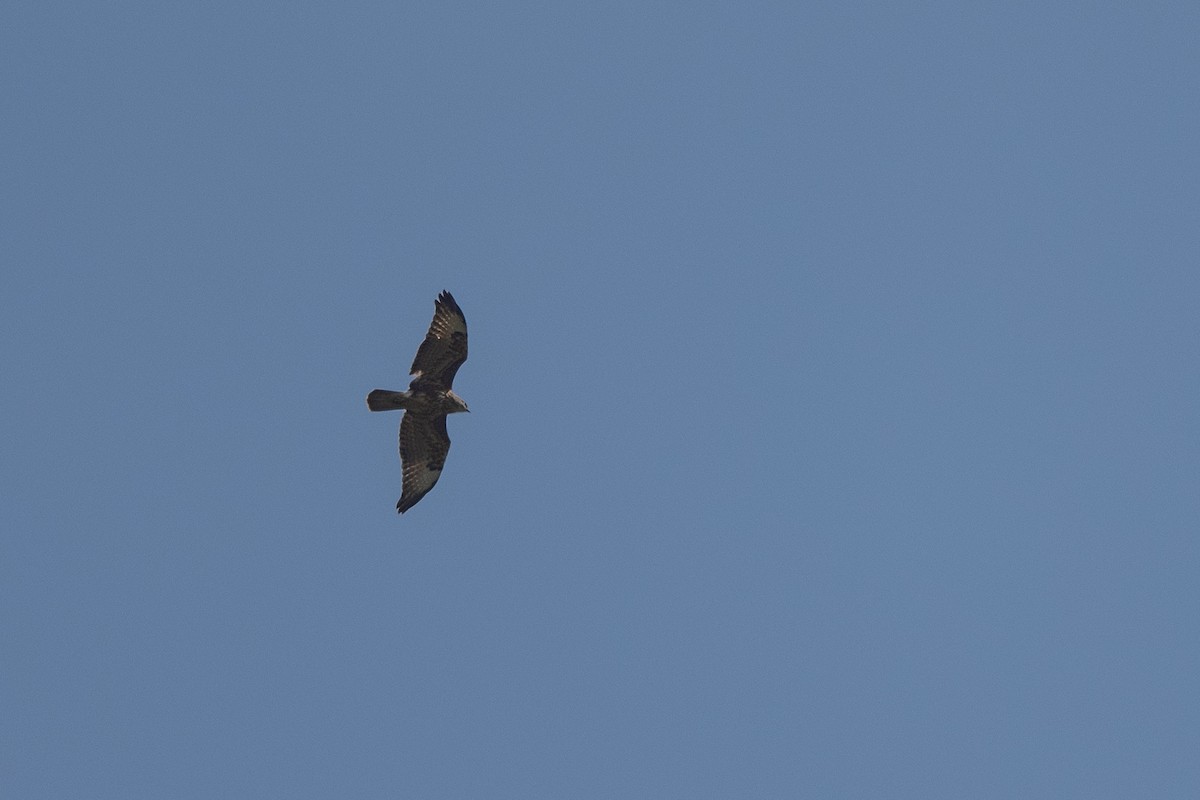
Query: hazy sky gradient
{"x": 833, "y": 377}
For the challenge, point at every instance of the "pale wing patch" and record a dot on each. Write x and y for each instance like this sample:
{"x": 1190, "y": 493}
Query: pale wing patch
{"x": 419, "y": 479}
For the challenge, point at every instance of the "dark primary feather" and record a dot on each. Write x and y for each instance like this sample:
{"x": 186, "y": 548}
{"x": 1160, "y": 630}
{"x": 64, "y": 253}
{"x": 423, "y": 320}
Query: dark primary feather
{"x": 445, "y": 347}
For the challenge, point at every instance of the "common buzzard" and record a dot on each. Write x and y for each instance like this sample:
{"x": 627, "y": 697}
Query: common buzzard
{"x": 423, "y": 438}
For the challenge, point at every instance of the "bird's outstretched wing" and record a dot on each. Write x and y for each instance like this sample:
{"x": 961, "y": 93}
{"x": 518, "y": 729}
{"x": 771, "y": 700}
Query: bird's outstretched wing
{"x": 445, "y": 347}
{"x": 424, "y": 444}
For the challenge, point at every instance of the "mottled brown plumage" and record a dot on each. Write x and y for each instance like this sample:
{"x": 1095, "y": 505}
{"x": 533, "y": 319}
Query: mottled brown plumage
{"x": 424, "y": 442}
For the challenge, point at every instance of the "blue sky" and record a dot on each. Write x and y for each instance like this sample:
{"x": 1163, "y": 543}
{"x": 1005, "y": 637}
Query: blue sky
{"x": 833, "y": 382}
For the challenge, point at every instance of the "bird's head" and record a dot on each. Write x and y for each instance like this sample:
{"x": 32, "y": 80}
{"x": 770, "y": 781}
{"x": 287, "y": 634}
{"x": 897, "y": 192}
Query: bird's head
{"x": 459, "y": 403}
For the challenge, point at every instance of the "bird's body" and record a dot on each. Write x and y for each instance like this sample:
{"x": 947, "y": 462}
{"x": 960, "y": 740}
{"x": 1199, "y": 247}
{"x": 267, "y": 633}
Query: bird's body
{"x": 422, "y": 403}
{"x": 424, "y": 442}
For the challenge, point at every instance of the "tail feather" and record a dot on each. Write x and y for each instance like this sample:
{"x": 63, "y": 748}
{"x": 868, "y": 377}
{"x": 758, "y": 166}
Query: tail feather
{"x": 386, "y": 400}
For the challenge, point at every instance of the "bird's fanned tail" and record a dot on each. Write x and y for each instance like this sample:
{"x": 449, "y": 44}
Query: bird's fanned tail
{"x": 386, "y": 400}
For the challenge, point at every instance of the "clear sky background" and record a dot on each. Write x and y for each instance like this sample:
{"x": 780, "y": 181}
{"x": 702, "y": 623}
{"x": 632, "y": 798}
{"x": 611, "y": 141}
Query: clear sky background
{"x": 834, "y": 377}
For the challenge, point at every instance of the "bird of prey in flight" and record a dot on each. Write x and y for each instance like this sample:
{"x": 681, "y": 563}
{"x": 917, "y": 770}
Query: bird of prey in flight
{"x": 424, "y": 442}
